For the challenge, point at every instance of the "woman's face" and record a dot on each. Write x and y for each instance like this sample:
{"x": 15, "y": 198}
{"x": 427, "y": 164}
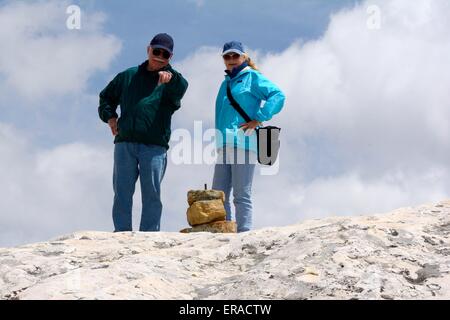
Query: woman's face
{"x": 233, "y": 60}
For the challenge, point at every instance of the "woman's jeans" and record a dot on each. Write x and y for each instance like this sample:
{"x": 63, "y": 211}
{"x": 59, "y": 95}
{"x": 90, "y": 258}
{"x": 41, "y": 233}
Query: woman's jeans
{"x": 235, "y": 170}
{"x": 149, "y": 162}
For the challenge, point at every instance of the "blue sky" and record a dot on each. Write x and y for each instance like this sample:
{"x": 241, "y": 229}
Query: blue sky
{"x": 365, "y": 127}
{"x": 266, "y": 25}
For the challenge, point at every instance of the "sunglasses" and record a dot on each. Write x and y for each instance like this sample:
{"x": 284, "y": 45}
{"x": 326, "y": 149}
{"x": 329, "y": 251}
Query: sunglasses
{"x": 231, "y": 56}
{"x": 165, "y": 54}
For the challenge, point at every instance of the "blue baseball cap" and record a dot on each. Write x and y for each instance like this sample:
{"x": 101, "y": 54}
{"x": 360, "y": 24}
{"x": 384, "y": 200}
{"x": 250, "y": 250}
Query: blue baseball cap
{"x": 233, "y": 46}
{"x": 162, "y": 41}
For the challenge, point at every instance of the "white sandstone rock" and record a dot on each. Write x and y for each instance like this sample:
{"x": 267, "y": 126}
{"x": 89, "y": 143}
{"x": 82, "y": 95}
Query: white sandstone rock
{"x": 404, "y": 254}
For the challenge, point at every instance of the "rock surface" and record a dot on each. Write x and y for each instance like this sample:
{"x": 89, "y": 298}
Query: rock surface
{"x": 404, "y": 254}
{"x": 215, "y": 227}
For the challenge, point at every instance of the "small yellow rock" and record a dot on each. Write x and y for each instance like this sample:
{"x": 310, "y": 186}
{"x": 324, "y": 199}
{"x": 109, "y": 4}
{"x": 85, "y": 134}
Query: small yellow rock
{"x": 201, "y": 212}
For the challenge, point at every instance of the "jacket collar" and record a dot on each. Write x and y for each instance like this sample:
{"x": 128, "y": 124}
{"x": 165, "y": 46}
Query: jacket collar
{"x": 233, "y": 73}
{"x": 244, "y": 71}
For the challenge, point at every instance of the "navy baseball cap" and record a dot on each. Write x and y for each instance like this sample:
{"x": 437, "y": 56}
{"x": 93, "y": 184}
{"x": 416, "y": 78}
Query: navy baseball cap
{"x": 162, "y": 41}
{"x": 233, "y": 46}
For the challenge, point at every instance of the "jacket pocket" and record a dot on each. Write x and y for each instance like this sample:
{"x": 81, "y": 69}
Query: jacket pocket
{"x": 124, "y": 127}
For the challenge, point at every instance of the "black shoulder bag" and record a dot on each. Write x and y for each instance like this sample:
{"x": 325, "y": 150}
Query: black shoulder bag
{"x": 268, "y": 141}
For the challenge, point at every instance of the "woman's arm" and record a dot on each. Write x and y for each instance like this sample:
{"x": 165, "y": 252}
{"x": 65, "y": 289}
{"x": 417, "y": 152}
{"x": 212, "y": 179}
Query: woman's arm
{"x": 266, "y": 90}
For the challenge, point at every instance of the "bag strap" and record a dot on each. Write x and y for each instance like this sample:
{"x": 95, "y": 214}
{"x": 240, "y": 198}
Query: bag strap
{"x": 236, "y": 105}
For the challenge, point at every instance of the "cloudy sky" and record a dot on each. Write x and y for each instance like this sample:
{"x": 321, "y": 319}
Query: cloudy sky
{"x": 365, "y": 125}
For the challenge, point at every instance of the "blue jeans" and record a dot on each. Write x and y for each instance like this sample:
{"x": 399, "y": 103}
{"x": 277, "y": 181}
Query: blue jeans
{"x": 149, "y": 162}
{"x": 229, "y": 173}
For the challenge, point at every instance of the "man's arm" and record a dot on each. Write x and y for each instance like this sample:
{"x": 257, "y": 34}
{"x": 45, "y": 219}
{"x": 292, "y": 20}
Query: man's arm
{"x": 174, "y": 91}
{"x": 109, "y": 100}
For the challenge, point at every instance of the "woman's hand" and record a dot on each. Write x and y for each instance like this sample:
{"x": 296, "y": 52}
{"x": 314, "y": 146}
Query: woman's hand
{"x": 250, "y": 125}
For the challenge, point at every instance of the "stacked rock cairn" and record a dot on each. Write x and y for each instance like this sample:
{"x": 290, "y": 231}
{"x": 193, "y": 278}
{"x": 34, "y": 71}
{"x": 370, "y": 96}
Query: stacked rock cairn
{"x": 206, "y": 212}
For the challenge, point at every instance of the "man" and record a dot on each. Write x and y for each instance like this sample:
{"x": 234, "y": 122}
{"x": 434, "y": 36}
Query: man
{"x": 148, "y": 96}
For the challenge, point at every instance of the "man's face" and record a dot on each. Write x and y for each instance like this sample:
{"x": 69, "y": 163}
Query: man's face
{"x": 158, "y": 58}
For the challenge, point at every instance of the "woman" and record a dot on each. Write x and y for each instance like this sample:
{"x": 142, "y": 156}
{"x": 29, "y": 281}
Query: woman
{"x": 236, "y": 143}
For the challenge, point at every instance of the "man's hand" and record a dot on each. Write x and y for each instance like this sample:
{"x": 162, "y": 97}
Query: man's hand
{"x": 164, "y": 77}
{"x": 113, "y": 125}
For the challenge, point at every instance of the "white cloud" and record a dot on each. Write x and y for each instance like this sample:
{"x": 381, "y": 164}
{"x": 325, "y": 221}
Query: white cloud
{"x": 366, "y": 123}
{"x": 347, "y": 194}
{"x": 389, "y": 86}
{"x": 204, "y": 71}
{"x": 48, "y": 192}
{"x": 41, "y": 57}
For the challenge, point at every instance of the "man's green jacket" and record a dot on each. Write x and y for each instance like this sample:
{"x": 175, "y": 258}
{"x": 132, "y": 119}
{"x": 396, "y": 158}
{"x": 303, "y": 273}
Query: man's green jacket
{"x": 146, "y": 109}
